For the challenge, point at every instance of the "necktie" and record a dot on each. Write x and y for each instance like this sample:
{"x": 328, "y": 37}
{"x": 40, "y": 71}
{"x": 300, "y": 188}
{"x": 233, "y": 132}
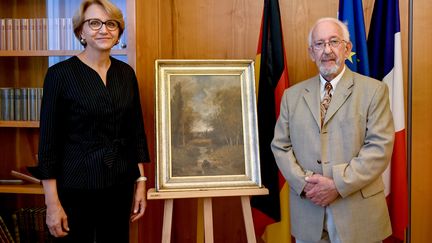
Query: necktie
{"x": 326, "y": 100}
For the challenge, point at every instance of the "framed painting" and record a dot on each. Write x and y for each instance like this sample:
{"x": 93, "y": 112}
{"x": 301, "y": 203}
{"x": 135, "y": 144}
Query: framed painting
{"x": 206, "y": 125}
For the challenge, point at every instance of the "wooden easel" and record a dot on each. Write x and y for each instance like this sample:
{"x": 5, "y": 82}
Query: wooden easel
{"x": 207, "y": 196}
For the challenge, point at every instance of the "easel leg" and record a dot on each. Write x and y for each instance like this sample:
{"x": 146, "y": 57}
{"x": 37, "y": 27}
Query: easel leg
{"x": 208, "y": 220}
{"x": 167, "y": 220}
{"x": 247, "y": 216}
{"x": 200, "y": 221}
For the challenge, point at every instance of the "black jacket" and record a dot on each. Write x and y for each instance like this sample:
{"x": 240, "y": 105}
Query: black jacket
{"x": 91, "y": 135}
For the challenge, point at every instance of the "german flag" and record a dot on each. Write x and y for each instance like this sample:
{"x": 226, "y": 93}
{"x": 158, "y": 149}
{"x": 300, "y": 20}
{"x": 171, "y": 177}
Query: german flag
{"x": 271, "y": 221}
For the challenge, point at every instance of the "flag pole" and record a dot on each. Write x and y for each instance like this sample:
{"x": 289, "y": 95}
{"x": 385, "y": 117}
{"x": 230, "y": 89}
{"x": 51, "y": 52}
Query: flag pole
{"x": 409, "y": 132}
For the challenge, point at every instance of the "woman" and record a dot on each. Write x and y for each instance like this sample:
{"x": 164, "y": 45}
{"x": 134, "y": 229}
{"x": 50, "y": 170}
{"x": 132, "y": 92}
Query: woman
{"x": 92, "y": 142}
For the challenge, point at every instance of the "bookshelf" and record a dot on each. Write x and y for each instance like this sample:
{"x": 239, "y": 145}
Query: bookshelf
{"x": 22, "y": 189}
{"x": 23, "y": 124}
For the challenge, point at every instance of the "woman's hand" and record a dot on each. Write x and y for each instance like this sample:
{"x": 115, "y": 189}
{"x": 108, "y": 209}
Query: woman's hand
{"x": 140, "y": 201}
{"x": 56, "y": 220}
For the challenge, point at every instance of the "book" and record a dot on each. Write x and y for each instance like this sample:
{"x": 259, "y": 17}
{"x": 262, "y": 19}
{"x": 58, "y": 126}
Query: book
{"x": 24, "y": 104}
{"x": 25, "y": 34}
{"x": 16, "y": 227}
{"x": 11, "y": 181}
{"x": 2, "y": 34}
{"x": 32, "y": 97}
{"x": 17, "y": 105}
{"x": 9, "y": 34}
{"x": 6, "y": 236}
{"x": 39, "y": 94}
{"x": 39, "y": 34}
{"x": 6, "y": 104}
{"x": 39, "y": 222}
{"x": 3, "y": 237}
{"x": 30, "y": 225}
{"x": 32, "y": 34}
{"x": 25, "y": 177}
{"x": 16, "y": 32}
{"x": 44, "y": 23}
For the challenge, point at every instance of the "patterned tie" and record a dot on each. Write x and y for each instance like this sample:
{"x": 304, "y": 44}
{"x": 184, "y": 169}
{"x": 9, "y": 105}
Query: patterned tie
{"x": 326, "y": 100}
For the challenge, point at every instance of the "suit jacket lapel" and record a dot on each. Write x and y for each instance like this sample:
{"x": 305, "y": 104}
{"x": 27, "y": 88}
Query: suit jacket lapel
{"x": 342, "y": 92}
{"x": 311, "y": 95}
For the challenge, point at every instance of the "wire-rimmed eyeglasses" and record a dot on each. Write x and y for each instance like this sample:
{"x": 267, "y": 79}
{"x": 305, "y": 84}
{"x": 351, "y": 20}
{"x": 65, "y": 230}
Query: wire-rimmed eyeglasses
{"x": 333, "y": 43}
{"x": 96, "y": 24}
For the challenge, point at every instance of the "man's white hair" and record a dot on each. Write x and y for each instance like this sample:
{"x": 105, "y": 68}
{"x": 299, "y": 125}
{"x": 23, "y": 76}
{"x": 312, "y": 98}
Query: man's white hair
{"x": 342, "y": 25}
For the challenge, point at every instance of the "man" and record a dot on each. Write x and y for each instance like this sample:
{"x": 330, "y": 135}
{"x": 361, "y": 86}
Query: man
{"x": 333, "y": 140}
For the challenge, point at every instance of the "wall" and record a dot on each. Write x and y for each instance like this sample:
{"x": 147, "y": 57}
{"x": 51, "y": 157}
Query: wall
{"x": 421, "y": 211}
{"x": 225, "y": 29}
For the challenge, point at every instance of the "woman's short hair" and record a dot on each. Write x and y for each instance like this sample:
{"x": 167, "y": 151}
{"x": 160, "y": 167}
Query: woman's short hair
{"x": 113, "y": 11}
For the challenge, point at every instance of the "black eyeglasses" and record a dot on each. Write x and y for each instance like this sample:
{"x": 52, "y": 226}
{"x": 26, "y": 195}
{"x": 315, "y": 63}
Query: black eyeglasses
{"x": 320, "y": 45}
{"x": 96, "y": 24}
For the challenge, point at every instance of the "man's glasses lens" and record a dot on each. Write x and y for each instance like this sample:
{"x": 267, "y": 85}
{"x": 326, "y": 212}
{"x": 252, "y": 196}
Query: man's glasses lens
{"x": 320, "y": 45}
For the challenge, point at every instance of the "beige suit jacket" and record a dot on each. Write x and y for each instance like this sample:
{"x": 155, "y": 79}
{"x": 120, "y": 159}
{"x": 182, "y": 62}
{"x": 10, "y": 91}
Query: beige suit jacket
{"x": 353, "y": 147}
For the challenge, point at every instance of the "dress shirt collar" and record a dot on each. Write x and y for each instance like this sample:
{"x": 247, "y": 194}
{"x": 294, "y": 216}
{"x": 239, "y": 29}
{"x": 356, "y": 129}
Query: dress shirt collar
{"x": 333, "y": 82}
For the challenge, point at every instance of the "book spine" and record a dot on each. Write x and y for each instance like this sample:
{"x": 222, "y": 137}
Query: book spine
{"x": 22, "y": 224}
{"x": 32, "y": 34}
{"x": 17, "y": 104}
{"x": 6, "y": 235}
{"x": 32, "y": 103}
{"x": 39, "y": 224}
{"x": 7, "y": 104}
{"x": 9, "y": 34}
{"x": 38, "y": 34}
{"x": 2, "y": 34}
{"x": 44, "y": 34}
{"x": 24, "y": 34}
{"x": 16, "y": 32}
{"x": 16, "y": 227}
{"x": 32, "y": 225}
{"x": 24, "y": 104}
{"x": 39, "y": 102}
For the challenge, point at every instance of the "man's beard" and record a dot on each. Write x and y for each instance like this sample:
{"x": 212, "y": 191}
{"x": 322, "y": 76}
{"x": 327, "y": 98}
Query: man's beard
{"x": 325, "y": 71}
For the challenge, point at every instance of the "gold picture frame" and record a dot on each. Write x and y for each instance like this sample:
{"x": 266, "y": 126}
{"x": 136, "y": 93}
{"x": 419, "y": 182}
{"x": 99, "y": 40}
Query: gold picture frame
{"x": 206, "y": 125}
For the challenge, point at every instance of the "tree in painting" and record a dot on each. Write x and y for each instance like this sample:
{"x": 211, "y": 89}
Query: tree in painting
{"x": 206, "y": 126}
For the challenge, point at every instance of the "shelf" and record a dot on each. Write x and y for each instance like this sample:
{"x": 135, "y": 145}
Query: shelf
{"x": 51, "y": 53}
{"x": 22, "y": 189}
{"x": 29, "y": 124}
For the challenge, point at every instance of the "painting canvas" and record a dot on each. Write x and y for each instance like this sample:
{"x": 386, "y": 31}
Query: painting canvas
{"x": 206, "y": 125}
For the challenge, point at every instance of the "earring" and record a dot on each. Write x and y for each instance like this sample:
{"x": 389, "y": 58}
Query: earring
{"x": 83, "y": 41}
{"x": 118, "y": 41}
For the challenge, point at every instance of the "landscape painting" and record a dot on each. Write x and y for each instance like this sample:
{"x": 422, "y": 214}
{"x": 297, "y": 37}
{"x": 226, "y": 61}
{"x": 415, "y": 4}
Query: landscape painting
{"x": 206, "y": 127}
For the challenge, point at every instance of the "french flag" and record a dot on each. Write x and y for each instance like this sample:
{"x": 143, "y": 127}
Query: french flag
{"x": 385, "y": 59}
